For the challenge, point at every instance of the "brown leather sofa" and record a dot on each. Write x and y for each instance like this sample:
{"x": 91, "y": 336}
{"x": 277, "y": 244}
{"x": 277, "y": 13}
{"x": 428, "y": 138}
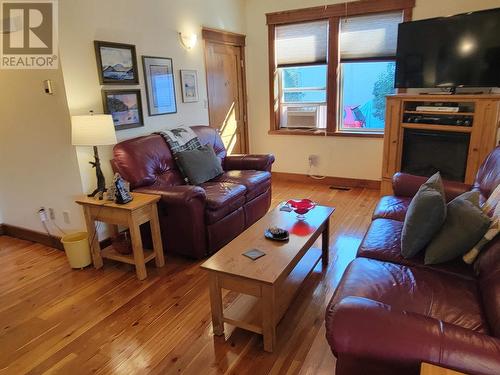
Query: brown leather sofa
{"x": 389, "y": 314}
{"x": 197, "y": 220}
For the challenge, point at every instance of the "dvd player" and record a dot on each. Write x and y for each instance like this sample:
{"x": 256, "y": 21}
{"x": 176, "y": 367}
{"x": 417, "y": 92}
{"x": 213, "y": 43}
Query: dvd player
{"x": 438, "y": 120}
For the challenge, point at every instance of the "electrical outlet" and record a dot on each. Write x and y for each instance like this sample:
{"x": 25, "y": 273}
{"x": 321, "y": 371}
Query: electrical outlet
{"x": 313, "y": 160}
{"x": 43, "y": 214}
{"x": 66, "y": 217}
{"x": 52, "y": 214}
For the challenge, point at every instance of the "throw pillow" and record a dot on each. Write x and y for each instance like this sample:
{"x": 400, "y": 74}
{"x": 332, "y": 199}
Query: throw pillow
{"x": 199, "y": 165}
{"x": 425, "y": 216}
{"x": 491, "y": 208}
{"x": 464, "y": 226}
{"x": 180, "y": 139}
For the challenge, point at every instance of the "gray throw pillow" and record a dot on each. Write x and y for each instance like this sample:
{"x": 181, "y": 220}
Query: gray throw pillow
{"x": 464, "y": 226}
{"x": 199, "y": 165}
{"x": 425, "y": 216}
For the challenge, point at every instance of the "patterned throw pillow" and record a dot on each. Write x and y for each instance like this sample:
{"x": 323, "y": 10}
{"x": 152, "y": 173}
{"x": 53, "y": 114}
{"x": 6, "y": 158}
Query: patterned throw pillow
{"x": 180, "y": 139}
{"x": 491, "y": 208}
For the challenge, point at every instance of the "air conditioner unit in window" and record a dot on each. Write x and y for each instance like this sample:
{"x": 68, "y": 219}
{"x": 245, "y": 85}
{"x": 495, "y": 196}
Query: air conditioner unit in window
{"x": 301, "y": 117}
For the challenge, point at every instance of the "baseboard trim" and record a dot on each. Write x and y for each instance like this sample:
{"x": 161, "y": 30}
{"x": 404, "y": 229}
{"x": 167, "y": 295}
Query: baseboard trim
{"x": 31, "y": 235}
{"x": 40, "y": 237}
{"x": 333, "y": 181}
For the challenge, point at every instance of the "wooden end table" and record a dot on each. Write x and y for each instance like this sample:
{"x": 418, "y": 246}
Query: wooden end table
{"x": 267, "y": 285}
{"x": 139, "y": 211}
{"x": 429, "y": 369}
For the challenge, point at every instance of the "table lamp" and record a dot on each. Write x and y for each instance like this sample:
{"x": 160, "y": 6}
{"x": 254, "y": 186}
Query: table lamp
{"x": 94, "y": 130}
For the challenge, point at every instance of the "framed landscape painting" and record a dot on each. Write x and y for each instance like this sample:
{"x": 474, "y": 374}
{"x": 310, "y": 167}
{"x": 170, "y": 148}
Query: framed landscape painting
{"x": 189, "y": 84}
{"x": 160, "y": 85}
{"x": 125, "y": 107}
{"x": 116, "y": 63}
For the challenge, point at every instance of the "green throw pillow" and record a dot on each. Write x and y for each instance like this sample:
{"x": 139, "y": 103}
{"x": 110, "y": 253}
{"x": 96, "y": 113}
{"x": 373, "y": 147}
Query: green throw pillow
{"x": 464, "y": 226}
{"x": 425, "y": 216}
{"x": 199, "y": 165}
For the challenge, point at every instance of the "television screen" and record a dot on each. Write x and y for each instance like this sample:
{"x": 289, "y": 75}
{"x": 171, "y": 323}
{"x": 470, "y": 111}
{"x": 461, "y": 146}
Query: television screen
{"x": 457, "y": 51}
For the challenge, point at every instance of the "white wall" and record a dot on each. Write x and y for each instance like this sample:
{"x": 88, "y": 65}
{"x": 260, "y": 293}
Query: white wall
{"x": 338, "y": 156}
{"x": 152, "y": 26}
{"x": 38, "y": 165}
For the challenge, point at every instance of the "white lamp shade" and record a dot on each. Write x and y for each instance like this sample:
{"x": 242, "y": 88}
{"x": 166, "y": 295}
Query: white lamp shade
{"x": 92, "y": 130}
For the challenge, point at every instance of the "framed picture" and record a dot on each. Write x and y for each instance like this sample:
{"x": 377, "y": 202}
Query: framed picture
{"x": 116, "y": 63}
{"x": 160, "y": 86}
{"x": 189, "y": 84}
{"x": 125, "y": 107}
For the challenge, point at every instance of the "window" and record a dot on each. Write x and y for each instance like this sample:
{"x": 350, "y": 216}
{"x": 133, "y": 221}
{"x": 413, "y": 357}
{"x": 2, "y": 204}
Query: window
{"x": 331, "y": 67}
{"x": 301, "y": 54}
{"x": 367, "y": 51}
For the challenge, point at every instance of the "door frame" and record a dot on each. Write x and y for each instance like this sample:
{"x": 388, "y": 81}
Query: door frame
{"x": 210, "y": 35}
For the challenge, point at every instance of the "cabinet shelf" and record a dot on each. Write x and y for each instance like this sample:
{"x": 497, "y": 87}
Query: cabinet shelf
{"x": 446, "y": 128}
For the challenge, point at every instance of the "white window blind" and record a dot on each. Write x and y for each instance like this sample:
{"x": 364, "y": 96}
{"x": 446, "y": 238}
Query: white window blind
{"x": 369, "y": 36}
{"x": 303, "y": 43}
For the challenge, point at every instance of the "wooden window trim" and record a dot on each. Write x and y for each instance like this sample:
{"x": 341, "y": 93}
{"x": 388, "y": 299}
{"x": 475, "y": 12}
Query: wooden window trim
{"x": 333, "y": 13}
{"x": 337, "y": 10}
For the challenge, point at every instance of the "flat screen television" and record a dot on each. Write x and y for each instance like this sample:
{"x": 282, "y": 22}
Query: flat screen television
{"x": 456, "y": 51}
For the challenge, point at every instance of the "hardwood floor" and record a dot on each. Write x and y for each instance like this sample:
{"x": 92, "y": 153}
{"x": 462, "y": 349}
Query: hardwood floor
{"x": 55, "y": 320}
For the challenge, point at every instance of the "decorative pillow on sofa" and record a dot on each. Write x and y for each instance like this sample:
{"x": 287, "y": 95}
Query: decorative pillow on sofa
{"x": 464, "y": 226}
{"x": 491, "y": 208}
{"x": 199, "y": 165}
{"x": 425, "y": 216}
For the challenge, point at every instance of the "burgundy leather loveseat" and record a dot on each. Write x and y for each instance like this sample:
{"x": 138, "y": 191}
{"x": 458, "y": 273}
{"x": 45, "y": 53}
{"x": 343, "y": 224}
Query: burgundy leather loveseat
{"x": 197, "y": 220}
{"x": 389, "y": 314}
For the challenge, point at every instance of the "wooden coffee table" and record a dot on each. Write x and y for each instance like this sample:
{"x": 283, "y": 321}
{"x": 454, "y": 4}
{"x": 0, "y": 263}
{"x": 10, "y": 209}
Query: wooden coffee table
{"x": 267, "y": 285}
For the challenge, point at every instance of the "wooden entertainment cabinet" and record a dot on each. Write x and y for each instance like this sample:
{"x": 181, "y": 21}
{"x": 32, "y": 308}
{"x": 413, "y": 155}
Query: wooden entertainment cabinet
{"x": 478, "y": 118}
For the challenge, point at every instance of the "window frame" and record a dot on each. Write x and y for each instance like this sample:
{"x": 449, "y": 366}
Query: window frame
{"x": 332, "y": 13}
{"x": 340, "y": 89}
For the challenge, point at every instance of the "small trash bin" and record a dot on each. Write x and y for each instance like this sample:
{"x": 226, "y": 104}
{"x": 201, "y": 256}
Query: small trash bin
{"x": 76, "y": 246}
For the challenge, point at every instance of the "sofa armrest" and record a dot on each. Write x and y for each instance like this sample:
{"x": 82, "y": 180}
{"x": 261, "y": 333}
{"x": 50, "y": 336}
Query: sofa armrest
{"x": 367, "y": 330}
{"x": 178, "y": 195}
{"x": 407, "y": 185}
{"x": 182, "y": 218}
{"x": 243, "y": 162}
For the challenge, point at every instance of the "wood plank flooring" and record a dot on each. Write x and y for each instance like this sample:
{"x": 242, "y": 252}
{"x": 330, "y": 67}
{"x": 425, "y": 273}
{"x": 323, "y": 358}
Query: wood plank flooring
{"x": 55, "y": 320}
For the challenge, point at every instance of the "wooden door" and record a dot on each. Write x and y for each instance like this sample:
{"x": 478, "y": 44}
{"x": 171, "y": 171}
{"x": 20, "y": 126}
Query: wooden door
{"x": 225, "y": 71}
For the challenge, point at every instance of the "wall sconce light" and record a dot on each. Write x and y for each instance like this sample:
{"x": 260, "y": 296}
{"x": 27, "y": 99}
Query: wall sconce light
{"x": 188, "y": 41}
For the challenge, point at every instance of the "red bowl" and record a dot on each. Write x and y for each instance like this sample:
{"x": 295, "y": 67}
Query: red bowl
{"x": 301, "y": 206}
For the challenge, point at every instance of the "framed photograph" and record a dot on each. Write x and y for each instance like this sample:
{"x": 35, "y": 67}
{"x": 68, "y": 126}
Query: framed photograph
{"x": 189, "y": 84}
{"x": 125, "y": 107}
{"x": 116, "y": 63}
{"x": 160, "y": 86}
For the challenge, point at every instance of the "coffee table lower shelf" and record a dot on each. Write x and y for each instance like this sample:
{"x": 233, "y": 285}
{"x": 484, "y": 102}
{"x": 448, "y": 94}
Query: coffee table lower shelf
{"x": 247, "y": 312}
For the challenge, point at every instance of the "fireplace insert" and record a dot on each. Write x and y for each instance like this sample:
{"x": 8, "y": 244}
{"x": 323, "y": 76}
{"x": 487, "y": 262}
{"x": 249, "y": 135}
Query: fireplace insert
{"x": 426, "y": 152}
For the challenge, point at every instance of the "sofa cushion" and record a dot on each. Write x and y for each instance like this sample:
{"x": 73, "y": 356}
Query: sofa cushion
{"x": 464, "y": 226}
{"x": 425, "y": 216}
{"x": 487, "y": 268}
{"x": 146, "y": 161}
{"x": 383, "y": 242}
{"x": 488, "y": 176}
{"x": 256, "y": 182}
{"x": 222, "y": 199}
{"x": 392, "y": 207}
{"x": 419, "y": 290}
